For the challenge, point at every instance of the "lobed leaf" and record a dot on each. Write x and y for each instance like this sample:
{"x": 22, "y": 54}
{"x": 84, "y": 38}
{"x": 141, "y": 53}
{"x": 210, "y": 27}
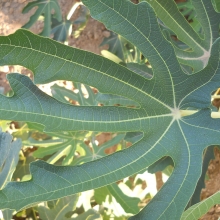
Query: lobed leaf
{"x": 173, "y": 114}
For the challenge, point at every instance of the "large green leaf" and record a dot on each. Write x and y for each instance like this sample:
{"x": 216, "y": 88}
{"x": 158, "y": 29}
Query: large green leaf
{"x": 9, "y": 152}
{"x": 217, "y": 5}
{"x": 60, "y": 29}
{"x": 129, "y": 204}
{"x": 68, "y": 142}
{"x": 7, "y": 214}
{"x": 165, "y": 117}
{"x": 142, "y": 70}
{"x": 109, "y": 99}
{"x": 115, "y": 45}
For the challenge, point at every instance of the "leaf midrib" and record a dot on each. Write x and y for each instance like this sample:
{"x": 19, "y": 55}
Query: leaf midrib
{"x": 72, "y": 62}
{"x": 77, "y": 120}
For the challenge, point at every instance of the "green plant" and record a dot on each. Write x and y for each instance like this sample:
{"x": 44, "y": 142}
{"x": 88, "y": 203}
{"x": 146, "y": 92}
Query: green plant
{"x": 54, "y": 24}
{"x": 173, "y": 110}
{"x": 199, "y": 44}
{"x": 124, "y": 50}
{"x": 81, "y": 21}
{"x": 9, "y": 152}
{"x": 43, "y": 8}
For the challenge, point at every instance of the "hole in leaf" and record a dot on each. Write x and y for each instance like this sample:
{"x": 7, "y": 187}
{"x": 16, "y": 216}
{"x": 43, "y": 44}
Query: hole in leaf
{"x": 74, "y": 93}
{"x": 216, "y": 98}
{"x": 4, "y": 70}
{"x": 165, "y": 164}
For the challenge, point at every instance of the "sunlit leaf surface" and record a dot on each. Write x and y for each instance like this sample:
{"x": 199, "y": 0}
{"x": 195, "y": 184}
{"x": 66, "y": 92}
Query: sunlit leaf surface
{"x": 172, "y": 114}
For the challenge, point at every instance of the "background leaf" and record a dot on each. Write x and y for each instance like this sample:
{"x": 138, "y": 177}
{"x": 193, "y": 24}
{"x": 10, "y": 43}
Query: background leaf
{"x": 59, "y": 211}
{"x": 43, "y": 8}
{"x": 60, "y": 29}
{"x": 9, "y": 152}
{"x": 91, "y": 214}
{"x": 115, "y": 45}
{"x": 129, "y": 204}
{"x": 199, "y": 209}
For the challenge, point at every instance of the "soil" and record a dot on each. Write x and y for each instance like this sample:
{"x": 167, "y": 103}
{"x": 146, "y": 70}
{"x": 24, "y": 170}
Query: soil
{"x": 212, "y": 186}
{"x": 11, "y": 19}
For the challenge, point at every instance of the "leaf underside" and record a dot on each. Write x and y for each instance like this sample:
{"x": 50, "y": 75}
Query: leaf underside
{"x": 160, "y": 99}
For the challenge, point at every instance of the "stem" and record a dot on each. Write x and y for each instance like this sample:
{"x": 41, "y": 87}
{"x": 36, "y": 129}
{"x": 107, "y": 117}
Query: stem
{"x": 75, "y": 6}
{"x": 34, "y": 214}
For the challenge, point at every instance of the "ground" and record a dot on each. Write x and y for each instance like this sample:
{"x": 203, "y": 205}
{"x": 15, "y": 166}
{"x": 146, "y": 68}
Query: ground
{"x": 12, "y": 19}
